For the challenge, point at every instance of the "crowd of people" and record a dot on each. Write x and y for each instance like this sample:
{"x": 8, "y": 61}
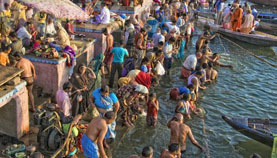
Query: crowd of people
{"x": 236, "y": 17}
{"x": 151, "y": 43}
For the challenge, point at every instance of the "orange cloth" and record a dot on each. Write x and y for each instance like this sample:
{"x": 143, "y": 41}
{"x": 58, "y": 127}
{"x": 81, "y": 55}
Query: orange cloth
{"x": 138, "y": 36}
{"x": 236, "y": 19}
{"x": 4, "y": 59}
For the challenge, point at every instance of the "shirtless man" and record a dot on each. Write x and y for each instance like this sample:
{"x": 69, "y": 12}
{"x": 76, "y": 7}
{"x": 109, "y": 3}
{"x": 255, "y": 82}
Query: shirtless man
{"x": 29, "y": 75}
{"x": 173, "y": 151}
{"x": 147, "y": 152}
{"x": 205, "y": 57}
{"x": 109, "y": 46}
{"x": 201, "y": 40}
{"x": 211, "y": 73}
{"x": 92, "y": 140}
{"x": 194, "y": 80}
{"x": 179, "y": 133}
{"x": 215, "y": 57}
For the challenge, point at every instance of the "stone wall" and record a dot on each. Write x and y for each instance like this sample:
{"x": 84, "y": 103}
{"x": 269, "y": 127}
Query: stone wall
{"x": 14, "y": 112}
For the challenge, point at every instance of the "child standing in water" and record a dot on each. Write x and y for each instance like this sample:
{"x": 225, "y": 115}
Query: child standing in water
{"x": 153, "y": 107}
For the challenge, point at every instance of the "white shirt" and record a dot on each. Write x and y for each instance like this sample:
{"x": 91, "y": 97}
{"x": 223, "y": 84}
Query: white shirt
{"x": 189, "y": 29}
{"x": 158, "y": 37}
{"x": 256, "y": 25}
{"x": 190, "y": 62}
{"x": 171, "y": 27}
{"x": 22, "y": 33}
{"x": 226, "y": 11}
{"x": 167, "y": 49}
{"x": 105, "y": 16}
{"x": 29, "y": 14}
{"x": 50, "y": 29}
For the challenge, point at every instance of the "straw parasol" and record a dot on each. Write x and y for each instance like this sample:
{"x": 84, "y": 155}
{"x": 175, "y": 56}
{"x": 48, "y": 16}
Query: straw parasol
{"x": 58, "y": 8}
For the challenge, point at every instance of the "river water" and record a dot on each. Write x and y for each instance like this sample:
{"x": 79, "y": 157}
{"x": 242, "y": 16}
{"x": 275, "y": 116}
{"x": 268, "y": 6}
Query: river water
{"x": 248, "y": 90}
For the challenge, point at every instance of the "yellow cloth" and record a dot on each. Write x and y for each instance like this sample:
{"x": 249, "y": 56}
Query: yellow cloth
{"x": 22, "y": 14}
{"x": 123, "y": 81}
{"x": 42, "y": 19}
{"x": 6, "y": 13}
{"x": 64, "y": 39}
{"x": 4, "y": 59}
{"x": 19, "y": 12}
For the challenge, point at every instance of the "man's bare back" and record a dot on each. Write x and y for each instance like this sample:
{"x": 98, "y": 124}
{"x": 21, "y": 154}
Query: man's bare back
{"x": 213, "y": 74}
{"x": 95, "y": 127}
{"x": 167, "y": 154}
{"x": 109, "y": 41}
{"x": 27, "y": 66}
{"x": 179, "y": 133}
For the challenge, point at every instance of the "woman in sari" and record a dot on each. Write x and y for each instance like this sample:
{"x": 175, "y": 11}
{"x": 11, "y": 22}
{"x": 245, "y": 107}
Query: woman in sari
{"x": 105, "y": 102}
{"x": 98, "y": 68}
{"x": 80, "y": 81}
{"x": 63, "y": 38}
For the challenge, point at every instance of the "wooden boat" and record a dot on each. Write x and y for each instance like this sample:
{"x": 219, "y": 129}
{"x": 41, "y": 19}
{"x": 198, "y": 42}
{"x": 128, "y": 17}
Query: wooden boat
{"x": 268, "y": 27}
{"x": 258, "y": 129}
{"x": 265, "y": 2}
{"x": 258, "y": 39}
{"x": 268, "y": 23}
{"x": 205, "y": 13}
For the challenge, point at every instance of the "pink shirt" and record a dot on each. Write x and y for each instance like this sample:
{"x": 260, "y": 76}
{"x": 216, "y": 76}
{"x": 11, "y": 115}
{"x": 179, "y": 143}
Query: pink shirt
{"x": 63, "y": 102}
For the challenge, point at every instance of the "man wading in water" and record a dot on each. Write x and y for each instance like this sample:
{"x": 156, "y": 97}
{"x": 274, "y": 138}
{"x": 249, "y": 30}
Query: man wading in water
{"x": 179, "y": 133}
{"x": 92, "y": 140}
{"x": 173, "y": 151}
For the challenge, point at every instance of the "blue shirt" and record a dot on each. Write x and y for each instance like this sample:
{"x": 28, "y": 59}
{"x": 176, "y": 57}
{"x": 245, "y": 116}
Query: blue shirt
{"x": 154, "y": 24}
{"x": 144, "y": 68}
{"x": 183, "y": 90}
{"x": 104, "y": 102}
{"x": 254, "y": 13}
{"x": 119, "y": 54}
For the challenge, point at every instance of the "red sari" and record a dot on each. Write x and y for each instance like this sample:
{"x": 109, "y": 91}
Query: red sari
{"x": 144, "y": 79}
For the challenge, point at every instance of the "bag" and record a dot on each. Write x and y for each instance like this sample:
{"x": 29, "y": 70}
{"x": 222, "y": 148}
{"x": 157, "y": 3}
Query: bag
{"x": 160, "y": 69}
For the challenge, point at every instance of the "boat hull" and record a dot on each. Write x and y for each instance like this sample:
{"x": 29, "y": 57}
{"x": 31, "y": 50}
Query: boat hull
{"x": 265, "y": 2}
{"x": 242, "y": 126}
{"x": 255, "y": 39}
{"x": 268, "y": 27}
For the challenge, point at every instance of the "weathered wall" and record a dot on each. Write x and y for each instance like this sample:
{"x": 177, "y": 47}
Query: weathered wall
{"x": 14, "y": 113}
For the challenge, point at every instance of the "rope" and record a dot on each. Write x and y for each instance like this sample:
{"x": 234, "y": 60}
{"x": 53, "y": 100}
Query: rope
{"x": 250, "y": 53}
{"x": 205, "y": 139}
{"x": 222, "y": 44}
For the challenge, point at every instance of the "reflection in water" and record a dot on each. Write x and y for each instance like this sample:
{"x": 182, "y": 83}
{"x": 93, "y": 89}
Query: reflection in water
{"x": 249, "y": 90}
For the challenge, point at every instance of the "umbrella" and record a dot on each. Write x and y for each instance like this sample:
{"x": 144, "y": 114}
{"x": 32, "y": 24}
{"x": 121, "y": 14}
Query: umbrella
{"x": 58, "y": 8}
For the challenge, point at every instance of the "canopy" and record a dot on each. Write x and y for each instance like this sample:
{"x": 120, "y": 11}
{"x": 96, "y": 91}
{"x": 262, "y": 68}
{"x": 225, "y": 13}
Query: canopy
{"x": 58, "y": 8}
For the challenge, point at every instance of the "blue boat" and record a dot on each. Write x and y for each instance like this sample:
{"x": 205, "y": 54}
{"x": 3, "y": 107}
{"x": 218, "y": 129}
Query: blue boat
{"x": 268, "y": 17}
{"x": 259, "y": 129}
